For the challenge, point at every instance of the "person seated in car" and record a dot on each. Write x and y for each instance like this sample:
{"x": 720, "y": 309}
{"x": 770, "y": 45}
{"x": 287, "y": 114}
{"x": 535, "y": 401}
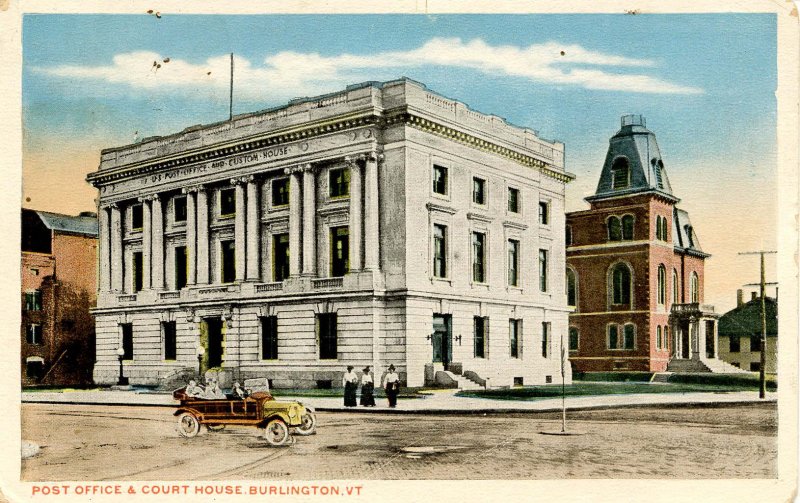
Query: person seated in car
{"x": 239, "y": 392}
{"x": 193, "y": 390}
{"x": 213, "y": 390}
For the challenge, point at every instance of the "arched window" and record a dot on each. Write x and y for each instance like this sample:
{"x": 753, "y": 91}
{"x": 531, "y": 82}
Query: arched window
{"x": 665, "y": 339}
{"x": 662, "y": 285}
{"x": 568, "y": 235}
{"x": 658, "y": 337}
{"x": 614, "y": 229}
{"x": 621, "y": 284}
{"x": 695, "y": 287}
{"x": 574, "y": 339}
{"x": 572, "y": 288}
{"x": 627, "y": 227}
{"x": 629, "y": 335}
{"x": 658, "y": 226}
{"x": 664, "y": 235}
{"x": 620, "y": 173}
{"x": 658, "y": 166}
{"x": 675, "y": 287}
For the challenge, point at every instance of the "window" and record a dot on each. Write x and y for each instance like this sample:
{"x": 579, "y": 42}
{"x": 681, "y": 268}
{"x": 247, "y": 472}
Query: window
{"x": 339, "y": 179}
{"x": 478, "y": 257}
{"x": 735, "y": 344}
{"x": 340, "y": 253}
{"x": 34, "y": 369}
{"x": 621, "y": 337}
{"x": 34, "y": 271}
{"x": 513, "y": 200}
{"x": 544, "y": 213}
{"x": 613, "y": 337}
{"x": 568, "y": 235}
{"x": 620, "y": 174}
{"x": 280, "y": 191}
{"x": 657, "y": 167}
{"x": 33, "y": 300}
{"x": 658, "y": 337}
{"x": 543, "y": 268}
{"x": 181, "y": 267}
{"x": 755, "y": 343}
{"x": 439, "y": 179}
{"x": 170, "y": 332}
{"x": 675, "y": 287}
{"x": 513, "y": 262}
{"x": 658, "y": 227}
{"x": 137, "y": 217}
{"x": 326, "y": 335}
{"x": 621, "y": 284}
{"x": 439, "y": 251}
{"x": 545, "y": 339}
{"x": 479, "y": 191}
{"x": 665, "y": 339}
{"x": 572, "y": 288}
{"x": 227, "y": 202}
{"x": 179, "y": 209}
{"x": 755, "y": 366}
{"x": 269, "y": 337}
{"x": 614, "y": 229}
{"x": 514, "y": 334}
{"x": 127, "y": 341}
{"x": 630, "y": 336}
{"x": 573, "y": 339}
{"x": 228, "y": 252}
{"x": 694, "y": 284}
{"x": 280, "y": 256}
{"x": 662, "y": 284}
{"x": 481, "y": 335}
{"x": 689, "y": 235}
{"x": 137, "y": 271}
{"x": 627, "y": 227}
{"x": 664, "y": 235}
{"x": 33, "y": 333}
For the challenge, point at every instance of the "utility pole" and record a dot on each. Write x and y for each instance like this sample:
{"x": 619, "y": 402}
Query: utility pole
{"x": 762, "y": 378}
{"x": 230, "y": 101}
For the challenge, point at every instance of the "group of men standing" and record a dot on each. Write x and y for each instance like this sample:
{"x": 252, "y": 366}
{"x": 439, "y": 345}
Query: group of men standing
{"x": 350, "y": 381}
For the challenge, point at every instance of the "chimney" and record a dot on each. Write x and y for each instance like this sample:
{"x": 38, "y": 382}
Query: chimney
{"x": 739, "y": 298}
{"x": 753, "y": 295}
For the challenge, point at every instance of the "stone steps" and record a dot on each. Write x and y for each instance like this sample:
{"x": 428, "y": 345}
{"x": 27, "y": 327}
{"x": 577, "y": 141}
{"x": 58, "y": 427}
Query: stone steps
{"x": 712, "y": 365}
{"x": 661, "y": 377}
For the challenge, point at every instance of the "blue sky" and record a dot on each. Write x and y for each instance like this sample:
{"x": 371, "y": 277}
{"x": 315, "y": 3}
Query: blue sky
{"x": 705, "y": 83}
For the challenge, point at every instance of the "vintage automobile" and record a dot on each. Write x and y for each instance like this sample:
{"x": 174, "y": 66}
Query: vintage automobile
{"x": 259, "y": 409}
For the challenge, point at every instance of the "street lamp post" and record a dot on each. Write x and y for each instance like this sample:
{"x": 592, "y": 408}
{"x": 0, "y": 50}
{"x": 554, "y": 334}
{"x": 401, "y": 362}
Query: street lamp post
{"x": 120, "y": 354}
{"x": 200, "y": 352}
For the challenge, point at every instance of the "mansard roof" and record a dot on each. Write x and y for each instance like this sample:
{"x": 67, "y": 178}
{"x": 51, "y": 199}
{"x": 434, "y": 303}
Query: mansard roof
{"x": 634, "y": 148}
{"x": 683, "y": 235}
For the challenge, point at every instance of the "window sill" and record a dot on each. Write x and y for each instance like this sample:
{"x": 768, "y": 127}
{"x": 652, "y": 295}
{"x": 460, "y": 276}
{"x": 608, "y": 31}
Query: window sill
{"x": 436, "y": 279}
{"x": 338, "y": 198}
{"x": 481, "y": 286}
{"x": 227, "y": 216}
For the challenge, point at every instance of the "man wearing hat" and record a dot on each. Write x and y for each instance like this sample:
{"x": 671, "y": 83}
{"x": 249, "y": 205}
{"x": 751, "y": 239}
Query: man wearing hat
{"x": 391, "y": 383}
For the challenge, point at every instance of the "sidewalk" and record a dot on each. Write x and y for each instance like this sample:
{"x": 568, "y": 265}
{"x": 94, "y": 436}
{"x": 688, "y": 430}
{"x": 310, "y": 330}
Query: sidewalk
{"x": 443, "y": 401}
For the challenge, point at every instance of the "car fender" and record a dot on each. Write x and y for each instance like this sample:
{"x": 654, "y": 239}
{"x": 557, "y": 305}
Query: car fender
{"x": 190, "y": 410}
{"x": 275, "y": 415}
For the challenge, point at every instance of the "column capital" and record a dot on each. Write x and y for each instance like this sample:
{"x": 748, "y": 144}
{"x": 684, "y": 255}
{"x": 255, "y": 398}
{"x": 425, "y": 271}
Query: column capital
{"x": 300, "y": 168}
{"x": 149, "y": 197}
{"x": 193, "y": 189}
{"x": 109, "y": 206}
{"x": 242, "y": 180}
{"x": 372, "y": 155}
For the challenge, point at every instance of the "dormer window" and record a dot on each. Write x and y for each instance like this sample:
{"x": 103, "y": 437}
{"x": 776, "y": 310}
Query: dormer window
{"x": 620, "y": 173}
{"x": 688, "y": 229}
{"x": 658, "y": 165}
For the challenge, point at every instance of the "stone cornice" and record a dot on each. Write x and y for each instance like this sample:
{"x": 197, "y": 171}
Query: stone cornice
{"x": 312, "y": 130}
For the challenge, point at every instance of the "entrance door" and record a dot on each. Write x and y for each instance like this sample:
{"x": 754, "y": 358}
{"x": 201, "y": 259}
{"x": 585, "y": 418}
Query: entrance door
{"x": 212, "y": 337}
{"x": 442, "y": 339}
{"x": 710, "y": 339}
{"x": 685, "y": 347}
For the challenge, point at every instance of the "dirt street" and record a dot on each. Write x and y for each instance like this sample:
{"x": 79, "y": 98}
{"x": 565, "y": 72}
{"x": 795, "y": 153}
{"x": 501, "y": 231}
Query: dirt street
{"x": 141, "y": 443}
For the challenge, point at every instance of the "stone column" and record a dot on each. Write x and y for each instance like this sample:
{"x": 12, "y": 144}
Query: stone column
{"x": 117, "y": 262}
{"x": 201, "y": 263}
{"x": 309, "y": 222}
{"x": 356, "y": 211}
{"x": 294, "y": 220}
{"x": 104, "y": 249}
{"x": 147, "y": 235}
{"x": 253, "y": 231}
{"x": 191, "y": 235}
{"x": 239, "y": 228}
{"x": 372, "y": 213}
{"x": 157, "y": 244}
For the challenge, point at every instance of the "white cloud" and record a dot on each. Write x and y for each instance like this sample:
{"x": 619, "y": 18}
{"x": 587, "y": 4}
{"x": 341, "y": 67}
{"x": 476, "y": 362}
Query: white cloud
{"x": 289, "y": 73}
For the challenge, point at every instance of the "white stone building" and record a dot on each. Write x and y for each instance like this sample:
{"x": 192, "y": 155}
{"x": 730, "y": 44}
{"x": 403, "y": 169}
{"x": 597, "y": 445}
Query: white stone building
{"x": 382, "y": 224}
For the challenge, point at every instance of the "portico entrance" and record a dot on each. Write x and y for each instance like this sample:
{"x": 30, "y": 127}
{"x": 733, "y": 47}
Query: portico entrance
{"x": 212, "y": 338}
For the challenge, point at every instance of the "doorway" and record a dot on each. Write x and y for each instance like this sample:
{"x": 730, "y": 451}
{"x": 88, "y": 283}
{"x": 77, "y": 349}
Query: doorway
{"x": 685, "y": 348}
{"x": 212, "y": 338}
{"x": 442, "y": 339}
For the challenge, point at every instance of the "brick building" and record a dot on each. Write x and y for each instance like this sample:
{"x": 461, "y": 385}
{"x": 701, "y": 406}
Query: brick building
{"x": 384, "y": 224}
{"x": 58, "y": 290}
{"x": 635, "y": 268}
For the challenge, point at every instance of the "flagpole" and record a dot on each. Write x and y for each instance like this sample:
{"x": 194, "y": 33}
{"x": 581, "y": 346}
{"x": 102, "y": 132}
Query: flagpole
{"x": 230, "y": 101}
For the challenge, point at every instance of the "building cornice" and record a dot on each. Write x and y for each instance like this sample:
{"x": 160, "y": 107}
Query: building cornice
{"x": 317, "y": 129}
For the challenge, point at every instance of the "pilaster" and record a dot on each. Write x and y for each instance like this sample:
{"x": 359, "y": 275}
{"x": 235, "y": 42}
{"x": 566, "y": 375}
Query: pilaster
{"x": 253, "y": 232}
{"x": 356, "y": 211}
{"x": 157, "y": 244}
{"x": 202, "y": 265}
{"x": 295, "y": 218}
{"x": 117, "y": 264}
{"x": 240, "y": 223}
{"x": 309, "y": 221}
{"x": 372, "y": 212}
{"x": 191, "y": 235}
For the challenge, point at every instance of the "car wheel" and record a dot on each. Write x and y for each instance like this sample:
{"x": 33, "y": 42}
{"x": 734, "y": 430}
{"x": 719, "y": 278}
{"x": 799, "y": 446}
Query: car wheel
{"x": 276, "y": 433}
{"x": 215, "y": 427}
{"x": 309, "y": 424}
{"x": 188, "y": 425}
